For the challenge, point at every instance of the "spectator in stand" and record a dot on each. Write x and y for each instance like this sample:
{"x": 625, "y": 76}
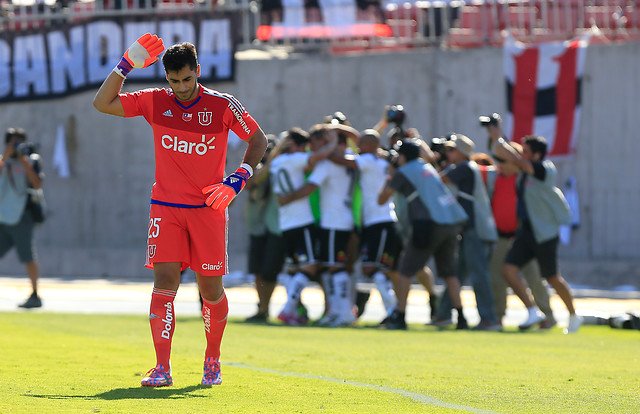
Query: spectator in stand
{"x": 271, "y": 11}
{"x": 501, "y": 186}
{"x": 266, "y": 246}
{"x": 370, "y": 11}
{"x": 478, "y": 234}
{"x": 541, "y": 210}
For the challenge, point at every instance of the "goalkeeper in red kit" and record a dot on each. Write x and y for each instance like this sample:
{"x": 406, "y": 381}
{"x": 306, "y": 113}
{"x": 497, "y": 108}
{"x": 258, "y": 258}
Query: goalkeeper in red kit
{"x": 190, "y": 196}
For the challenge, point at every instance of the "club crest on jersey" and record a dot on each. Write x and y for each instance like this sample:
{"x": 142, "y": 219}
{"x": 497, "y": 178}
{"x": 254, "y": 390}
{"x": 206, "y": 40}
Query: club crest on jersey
{"x": 205, "y": 118}
{"x": 187, "y": 117}
{"x": 151, "y": 251}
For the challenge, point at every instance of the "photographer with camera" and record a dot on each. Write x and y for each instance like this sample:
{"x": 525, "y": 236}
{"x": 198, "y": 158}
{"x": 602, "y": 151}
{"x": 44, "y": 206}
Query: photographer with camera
{"x": 541, "y": 210}
{"x": 493, "y": 124}
{"x": 478, "y": 234}
{"x": 436, "y": 219}
{"x": 20, "y": 177}
{"x": 392, "y": 115}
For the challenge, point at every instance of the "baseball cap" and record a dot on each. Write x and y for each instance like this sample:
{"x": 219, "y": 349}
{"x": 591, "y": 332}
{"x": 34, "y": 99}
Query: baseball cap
{"x": 493, "y": 119}
{"x": 462, "y": 143}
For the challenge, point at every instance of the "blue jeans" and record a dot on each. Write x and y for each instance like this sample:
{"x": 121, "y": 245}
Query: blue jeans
{"x": 473, "y": 261}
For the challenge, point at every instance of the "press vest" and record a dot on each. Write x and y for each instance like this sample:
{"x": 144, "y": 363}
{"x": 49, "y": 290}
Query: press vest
{"x": 13, "y": 192}
{"x": 485, "y": 225}
{"x": 546, "y": 206}
{"x": 442, "y": 205}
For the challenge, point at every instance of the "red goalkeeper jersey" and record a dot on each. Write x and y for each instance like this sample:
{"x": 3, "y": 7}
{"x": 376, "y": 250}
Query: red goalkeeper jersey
{"x": 190, "y": 139}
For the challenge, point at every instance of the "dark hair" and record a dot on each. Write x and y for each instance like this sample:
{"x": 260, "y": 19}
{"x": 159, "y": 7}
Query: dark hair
{"x": 408, "y": 148}
{"x": 180, "y": 55}
{"x": 298, "y": 135}
{"x": 14, "y": 133}
{"x": 537, "y": 144}
{"x": 318, "y": 131}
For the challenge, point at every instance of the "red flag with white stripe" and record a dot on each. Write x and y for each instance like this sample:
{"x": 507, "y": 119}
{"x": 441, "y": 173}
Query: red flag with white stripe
{"x": 543, "y": 91}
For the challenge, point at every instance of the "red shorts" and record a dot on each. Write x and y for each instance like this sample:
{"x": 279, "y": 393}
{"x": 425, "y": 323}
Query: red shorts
{"x": 195, "y": 237}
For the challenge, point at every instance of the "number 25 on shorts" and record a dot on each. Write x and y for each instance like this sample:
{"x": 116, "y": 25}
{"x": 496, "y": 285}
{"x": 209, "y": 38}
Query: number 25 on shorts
{"x": 154, "y": 228}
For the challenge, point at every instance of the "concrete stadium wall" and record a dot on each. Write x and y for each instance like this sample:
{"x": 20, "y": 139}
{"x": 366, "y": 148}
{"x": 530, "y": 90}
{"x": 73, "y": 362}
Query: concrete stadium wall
{"x": 98, "y": 216}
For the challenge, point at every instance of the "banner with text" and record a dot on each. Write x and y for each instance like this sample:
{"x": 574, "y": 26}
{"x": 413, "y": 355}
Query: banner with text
{"x": 59, "y": 61}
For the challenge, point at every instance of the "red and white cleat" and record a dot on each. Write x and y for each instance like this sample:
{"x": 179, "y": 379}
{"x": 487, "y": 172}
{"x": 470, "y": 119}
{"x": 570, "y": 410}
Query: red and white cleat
{"x": 157, "y": 377}
{"x": 212, "y": 374}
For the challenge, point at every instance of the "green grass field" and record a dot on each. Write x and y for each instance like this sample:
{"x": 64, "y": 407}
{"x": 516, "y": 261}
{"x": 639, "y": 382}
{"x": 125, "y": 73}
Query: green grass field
{"x": 59, "y": 363}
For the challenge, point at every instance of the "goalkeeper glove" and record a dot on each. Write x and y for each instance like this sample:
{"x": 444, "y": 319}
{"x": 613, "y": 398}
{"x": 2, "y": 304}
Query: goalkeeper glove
{"x": 142, "y": 53}
{"x": 220, "y": 195}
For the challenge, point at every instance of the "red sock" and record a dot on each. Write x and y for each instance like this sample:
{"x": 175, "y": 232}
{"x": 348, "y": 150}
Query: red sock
{"x": 214, "y": 315}
{"x": 162, "y": 319}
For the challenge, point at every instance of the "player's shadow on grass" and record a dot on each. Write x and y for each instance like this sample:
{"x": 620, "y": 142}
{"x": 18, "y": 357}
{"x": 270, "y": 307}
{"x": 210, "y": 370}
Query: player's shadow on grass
{"x": 132, "y": 393}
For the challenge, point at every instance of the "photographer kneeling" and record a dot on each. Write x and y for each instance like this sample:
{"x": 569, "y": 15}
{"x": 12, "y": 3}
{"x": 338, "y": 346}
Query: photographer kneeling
{"x": 20, "y": 175}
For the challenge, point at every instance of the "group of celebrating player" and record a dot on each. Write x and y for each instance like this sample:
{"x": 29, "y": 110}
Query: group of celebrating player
{"x": 333, "y": 195}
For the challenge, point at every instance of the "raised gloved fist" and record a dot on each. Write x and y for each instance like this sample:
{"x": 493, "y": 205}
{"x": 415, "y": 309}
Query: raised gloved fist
{"x": 220, "y": 195}
{"x": 142, "y": 53}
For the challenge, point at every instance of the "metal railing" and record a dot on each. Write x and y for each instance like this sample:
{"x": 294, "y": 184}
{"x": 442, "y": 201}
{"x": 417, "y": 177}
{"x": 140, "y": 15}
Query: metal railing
{"x": 24, "y": 15}
{"x": 342, "y": 24}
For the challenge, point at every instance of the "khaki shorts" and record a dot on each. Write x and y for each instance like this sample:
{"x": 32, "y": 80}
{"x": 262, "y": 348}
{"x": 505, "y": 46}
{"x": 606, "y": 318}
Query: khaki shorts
{"x": 440, "y": 241}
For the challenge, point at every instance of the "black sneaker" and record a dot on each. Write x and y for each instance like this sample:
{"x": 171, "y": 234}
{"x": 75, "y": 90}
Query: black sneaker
{"x": 462, "y": 324}
{"x": 433, "y": 304}
{"x": 396, "y": 322}
{"x": 260, "y": 317}
{"x": 33, "y": 302}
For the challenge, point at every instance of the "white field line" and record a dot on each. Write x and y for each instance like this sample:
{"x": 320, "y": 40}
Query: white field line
{"x": 420, "y": 398}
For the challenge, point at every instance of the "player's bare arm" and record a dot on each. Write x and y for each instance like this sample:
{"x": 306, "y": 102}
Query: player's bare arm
{"x": 256, "y": 149}
{"x": 385, "y": 194}
{"x": 346, "y": 160}
{"x": 302, "y": 192}
{"x": 220, "y": 195}
{"x": 107, "y": 100}
{"x": 350, "y": 132}
{"x": 260, "y": 175}
{"x": 325, "y": 151}
{"x": 142, "y": 53}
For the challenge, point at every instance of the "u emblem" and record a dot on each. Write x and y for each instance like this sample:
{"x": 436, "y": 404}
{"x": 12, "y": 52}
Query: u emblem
{"x": 204, "y": 118}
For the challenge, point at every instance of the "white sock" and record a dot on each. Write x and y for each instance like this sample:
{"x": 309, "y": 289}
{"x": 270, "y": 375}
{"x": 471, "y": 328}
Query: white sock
{"x": 294, "y": 289}
{"x": 385, "y": 287}
{"x": 327, "y": 284}
{"x": 533, "y": 311}
{"x": 342, "y": 287}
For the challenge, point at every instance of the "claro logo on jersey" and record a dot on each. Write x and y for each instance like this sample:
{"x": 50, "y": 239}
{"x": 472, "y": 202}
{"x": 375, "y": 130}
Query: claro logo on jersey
{"x": 177, "y": 145}
{"x": 238, "y": 116}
